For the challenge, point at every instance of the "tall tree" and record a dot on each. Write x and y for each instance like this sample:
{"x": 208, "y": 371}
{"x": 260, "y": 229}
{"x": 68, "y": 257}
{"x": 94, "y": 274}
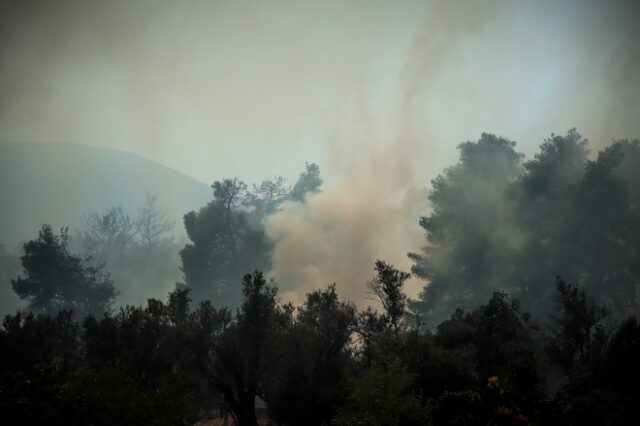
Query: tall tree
{"x": 266, "y": 197}
{"x": 241, "y": 357}
{"x": 577, "y": 330}
{"x": 228, "y": 193}
{"x": 498, "y": 226}
{"x": 387, "y": 287}
{"x": 53, "y": 279}
{"x": 468, "y": 233}
{"x": 153, "y": 224}
{"x": 224, "y": 244}
{"x": 308, "y": 377}
{"x": 543, "y": 203}
{"x": 108, "y": 232}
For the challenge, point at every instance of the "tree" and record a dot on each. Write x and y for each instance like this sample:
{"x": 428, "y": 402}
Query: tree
{"x": 223, "y": 246}
{"x": 241, "y": 358}
{"x": 53, "y": 279}
{"x": 578, "y": 334}
{"x": 544, "y": 211}
{"x": 602, "y": 232}
{"x": 387, "y": 289}
{"x": 497, "y": 224}
{"x": 38, "y": 355}
{"x": 468, "y": 233}
{"x": 502, "y": 341}
{"x": 229, "y": 192}
{"x": 105, "y": 232}
{"x": 266, "y": 197}
{"x": 308, "y": 182}
{"x": 152, "y": 223}
{"x": 308, "y": 377}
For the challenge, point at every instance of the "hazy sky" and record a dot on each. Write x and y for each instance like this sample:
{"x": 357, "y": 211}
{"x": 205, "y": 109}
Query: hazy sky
{"x": 250, "y": 88}
{"x": 379, "y": 94}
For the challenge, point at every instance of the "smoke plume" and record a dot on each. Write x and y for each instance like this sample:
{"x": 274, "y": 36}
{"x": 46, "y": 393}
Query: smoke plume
{"x": 336, "y": 236}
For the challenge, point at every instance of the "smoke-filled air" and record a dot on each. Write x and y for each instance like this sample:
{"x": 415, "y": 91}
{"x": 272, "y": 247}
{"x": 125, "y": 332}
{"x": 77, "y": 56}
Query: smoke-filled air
{"x": 319, "y": 213}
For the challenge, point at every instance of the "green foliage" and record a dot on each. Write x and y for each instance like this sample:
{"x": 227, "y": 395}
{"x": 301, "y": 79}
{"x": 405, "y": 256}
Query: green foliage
{"x": 387, "y": 289}
{"x": 578, "y": 333}
{"x": 227, "y": 236}
{"x": 502, "y": 340}
{"x": 466, "y": 230}
{"x": 166, "y": 364}
{"x": 499, "y": 225}
{"x": 223, "y": 245}
{"x": 382, "y": 396}
{"x": 54, "y": 279}
{"x": 139, "y": 366}
{"x": 242, "y": 358}
{"x": 309, "y": 375}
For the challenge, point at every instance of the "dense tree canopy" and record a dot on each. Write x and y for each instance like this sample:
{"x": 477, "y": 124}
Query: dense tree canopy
{"x": 53, "y": 279}
{"x": 498, "y": 224}
{"x": 321, "y": 363}
{"x": 228, "y": 237}
{"x": 224, "y": 244}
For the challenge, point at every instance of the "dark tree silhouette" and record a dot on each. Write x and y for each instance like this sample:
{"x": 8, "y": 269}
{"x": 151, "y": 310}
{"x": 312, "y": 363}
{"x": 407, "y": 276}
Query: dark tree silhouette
{"x": 241, "y": 357}
{"x": 578, "y": 332}
{"x": 53, "y": 279}
{"x": 309, "y": 375}
{"x": 387, "y": 289}
{"x": 223, "y": 246}
{"x": 266, "y": 197}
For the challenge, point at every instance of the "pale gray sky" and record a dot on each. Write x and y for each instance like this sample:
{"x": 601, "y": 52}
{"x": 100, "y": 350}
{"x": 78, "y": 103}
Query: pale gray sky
{"x": 252, "y": 88}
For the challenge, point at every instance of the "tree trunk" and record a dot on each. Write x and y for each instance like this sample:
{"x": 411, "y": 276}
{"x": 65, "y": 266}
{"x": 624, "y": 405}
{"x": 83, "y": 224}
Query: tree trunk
{"x": 247, "y": 410}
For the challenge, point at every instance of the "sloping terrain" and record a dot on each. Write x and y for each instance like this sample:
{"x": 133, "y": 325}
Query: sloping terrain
{"x": 57, "y": 183}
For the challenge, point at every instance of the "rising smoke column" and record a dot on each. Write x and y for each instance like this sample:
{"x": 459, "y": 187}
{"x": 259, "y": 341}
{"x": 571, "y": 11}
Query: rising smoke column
{"x": 373, "y": 211}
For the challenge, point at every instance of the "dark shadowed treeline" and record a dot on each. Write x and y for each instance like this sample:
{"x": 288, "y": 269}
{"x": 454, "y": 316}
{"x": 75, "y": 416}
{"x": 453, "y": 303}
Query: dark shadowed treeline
{"x": 322, "y": 363}
{"x": 500, "y": 224}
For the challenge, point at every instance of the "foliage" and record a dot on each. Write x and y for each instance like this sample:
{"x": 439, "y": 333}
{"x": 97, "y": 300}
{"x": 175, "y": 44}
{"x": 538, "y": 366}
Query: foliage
{"x": 387, "y": 289}
{"x": 308, "y": 182}
{"x": 53, "y": 279}
{"x": 309, "y": 375}
{"x": 227, "y": 236}
{"x": 166, "y": 364}
{"x": 498, "y": 224}
{"x": 467, "y": 235}
{"x": 223, "y": 245}
{"x": 498, "y": 229}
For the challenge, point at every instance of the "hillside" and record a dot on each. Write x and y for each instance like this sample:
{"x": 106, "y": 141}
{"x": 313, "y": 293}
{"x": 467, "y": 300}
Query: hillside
{"x": 57, "y": 183}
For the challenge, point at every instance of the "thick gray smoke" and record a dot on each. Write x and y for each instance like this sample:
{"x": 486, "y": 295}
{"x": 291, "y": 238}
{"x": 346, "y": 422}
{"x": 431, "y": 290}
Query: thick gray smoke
{"x": 336, "y": 236}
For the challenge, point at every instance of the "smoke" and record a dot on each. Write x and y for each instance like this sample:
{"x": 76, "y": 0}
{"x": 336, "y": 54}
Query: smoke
{"x": 377, "y": 93}
{"x": 336, "y": 236}
{"x": 386, "y": 160}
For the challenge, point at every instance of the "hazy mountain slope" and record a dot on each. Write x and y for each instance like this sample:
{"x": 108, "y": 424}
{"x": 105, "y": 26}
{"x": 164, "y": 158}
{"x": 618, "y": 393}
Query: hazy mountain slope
{"x": 57, "y": 183}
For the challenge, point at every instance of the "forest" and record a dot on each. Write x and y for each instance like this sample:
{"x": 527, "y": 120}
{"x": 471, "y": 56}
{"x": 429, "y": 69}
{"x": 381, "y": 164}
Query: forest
{"x": 528, "y": 314}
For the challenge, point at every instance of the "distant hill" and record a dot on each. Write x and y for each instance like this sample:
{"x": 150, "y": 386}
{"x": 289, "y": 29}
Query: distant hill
{"x": 57, "y": 183}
